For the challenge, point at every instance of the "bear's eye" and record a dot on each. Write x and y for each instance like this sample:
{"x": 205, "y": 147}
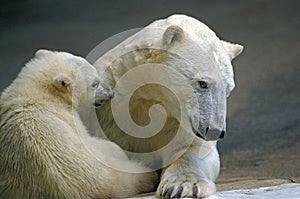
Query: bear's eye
{"x": 203, "y": 84}
{"x": 95, "y": 84}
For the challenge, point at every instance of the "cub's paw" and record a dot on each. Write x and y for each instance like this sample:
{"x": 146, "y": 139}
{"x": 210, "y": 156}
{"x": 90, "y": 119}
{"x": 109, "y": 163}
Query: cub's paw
{"x": 185, "y": 188}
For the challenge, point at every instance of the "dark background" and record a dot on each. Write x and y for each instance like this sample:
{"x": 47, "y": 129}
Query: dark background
{"x": 263, "y": 111}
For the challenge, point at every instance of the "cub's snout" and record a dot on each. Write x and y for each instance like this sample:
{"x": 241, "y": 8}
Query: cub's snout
{"x": 103, "y": 94}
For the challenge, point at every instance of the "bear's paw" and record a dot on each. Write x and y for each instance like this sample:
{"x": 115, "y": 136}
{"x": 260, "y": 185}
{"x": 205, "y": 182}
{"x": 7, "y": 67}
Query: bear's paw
{"x": 183, "y": 187}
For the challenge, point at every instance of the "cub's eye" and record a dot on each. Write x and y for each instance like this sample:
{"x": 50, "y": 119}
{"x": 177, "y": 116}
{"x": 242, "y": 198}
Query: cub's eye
{"x": 95, "y": 84}
{"x": 203, "y": 84}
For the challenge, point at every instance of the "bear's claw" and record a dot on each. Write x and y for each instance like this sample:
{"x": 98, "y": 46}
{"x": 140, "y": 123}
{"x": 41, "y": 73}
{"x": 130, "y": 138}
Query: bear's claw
{"x": 185, "y": 189}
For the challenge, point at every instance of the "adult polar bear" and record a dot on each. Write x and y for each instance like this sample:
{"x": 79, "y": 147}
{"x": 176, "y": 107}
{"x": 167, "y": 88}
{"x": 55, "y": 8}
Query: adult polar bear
{"x": 179, "y": 63}
{"x": 42, "y": 155}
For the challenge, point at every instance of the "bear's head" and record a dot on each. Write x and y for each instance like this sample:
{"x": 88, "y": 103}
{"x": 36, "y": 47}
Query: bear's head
{"x": 204, "y": 61}
{"x": 70, "y": 77}
{"x": 198, "y": 71}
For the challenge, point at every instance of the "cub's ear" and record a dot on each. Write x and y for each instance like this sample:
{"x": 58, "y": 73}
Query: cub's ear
{"x": 42, "y": 52}
{"x": 62, "y": 82}
{"x": 172, "y": 35}
{"x": 232, "y": 49}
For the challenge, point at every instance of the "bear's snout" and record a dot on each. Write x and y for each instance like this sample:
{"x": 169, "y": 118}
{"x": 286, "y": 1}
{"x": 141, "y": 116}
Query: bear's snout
{"x": 103, "y": 94}
{"x": 106, "y": 94}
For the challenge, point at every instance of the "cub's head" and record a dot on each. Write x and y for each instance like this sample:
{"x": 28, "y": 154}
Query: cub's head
{"x": 204, "y": 61}
{"x": 70, "y": 77}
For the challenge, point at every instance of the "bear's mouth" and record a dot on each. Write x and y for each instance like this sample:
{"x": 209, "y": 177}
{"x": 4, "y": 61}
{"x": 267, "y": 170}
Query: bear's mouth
{"x": 97, "y": 105}
{"x": 198, "y": 134}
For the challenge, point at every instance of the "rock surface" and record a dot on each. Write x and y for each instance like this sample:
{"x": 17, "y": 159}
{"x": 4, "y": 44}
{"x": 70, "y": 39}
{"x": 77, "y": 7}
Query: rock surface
{"x": 252, "y": 189}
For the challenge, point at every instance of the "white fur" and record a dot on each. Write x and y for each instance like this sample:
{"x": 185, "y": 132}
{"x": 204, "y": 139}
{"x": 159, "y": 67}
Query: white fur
{"x": 43, "y": 142}
{"x": 190, "y": 52}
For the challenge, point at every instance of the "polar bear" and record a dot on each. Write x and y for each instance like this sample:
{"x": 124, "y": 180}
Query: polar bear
{"x": 42, "y": 139}
{"x": 171, "y": 81}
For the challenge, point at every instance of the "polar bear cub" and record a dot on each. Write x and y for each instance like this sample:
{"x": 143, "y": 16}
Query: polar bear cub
{"x": 42, "y": 154}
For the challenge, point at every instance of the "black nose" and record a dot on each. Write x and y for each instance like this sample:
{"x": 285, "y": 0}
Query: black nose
{"x": 222, "y": 135}
{"x": 214, "y": 134}
{"x": 107, "y": 94}
{"x": 111, "y": 94}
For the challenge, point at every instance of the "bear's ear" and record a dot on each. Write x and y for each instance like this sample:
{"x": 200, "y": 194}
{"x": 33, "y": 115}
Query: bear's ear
{"x": 42, "y": 52}
{"x": 172, "y": 35}
{"x": 232, "y": 49}
{"x": 62, "y": 82}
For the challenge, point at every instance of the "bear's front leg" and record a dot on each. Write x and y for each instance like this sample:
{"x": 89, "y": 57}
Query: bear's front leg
{"x": 193, "y": 174}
